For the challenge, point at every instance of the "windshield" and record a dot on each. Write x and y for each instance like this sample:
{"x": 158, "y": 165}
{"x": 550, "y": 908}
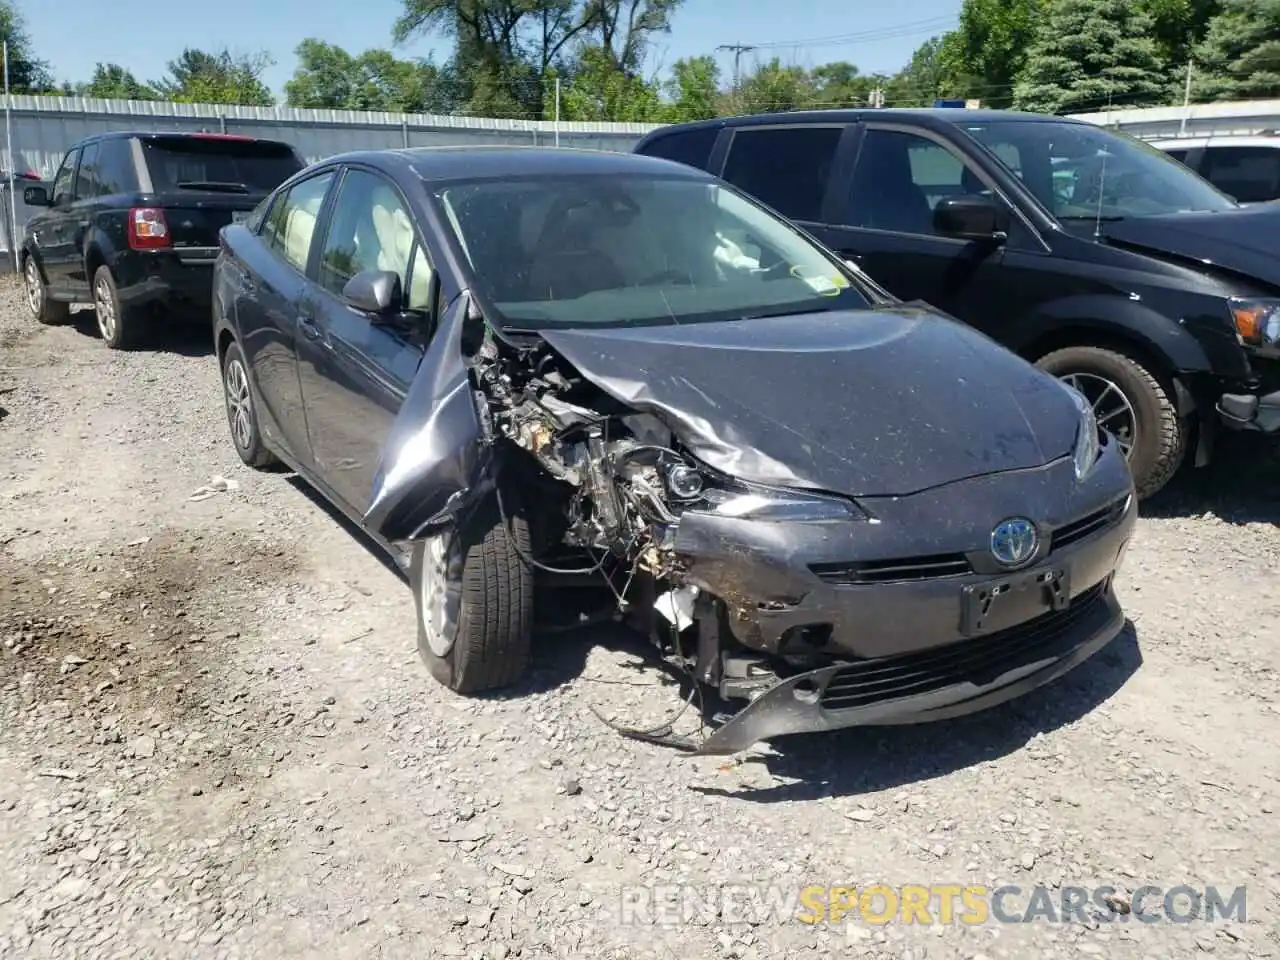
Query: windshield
{"x": 1079, "y": 171}
{"x": 614, "y": 250}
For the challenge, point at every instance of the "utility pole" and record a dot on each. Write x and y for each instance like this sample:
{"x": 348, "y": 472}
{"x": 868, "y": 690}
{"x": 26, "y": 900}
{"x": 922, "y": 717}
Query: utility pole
{"x": 1186, "y": 102}
{"x": 738, "y": 50}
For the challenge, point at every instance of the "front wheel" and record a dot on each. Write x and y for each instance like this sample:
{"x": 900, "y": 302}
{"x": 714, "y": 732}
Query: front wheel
{"x": 1132, "y": 404}
{"x": 45, "y": 310}
{"x": 473, "y": 594}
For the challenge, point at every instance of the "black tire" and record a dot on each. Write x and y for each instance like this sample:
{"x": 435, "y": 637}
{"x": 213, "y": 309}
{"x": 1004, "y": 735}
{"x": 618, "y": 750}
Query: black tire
{"x": 118, "y": 325}
{"x": 46, "y": 311}
{"x": 485, "y": 644}
{"x": 1160, "y": 437}
{"x": 239, "y": 400}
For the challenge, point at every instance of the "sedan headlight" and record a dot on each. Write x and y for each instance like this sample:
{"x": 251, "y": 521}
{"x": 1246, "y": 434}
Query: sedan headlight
{"x": 1088, "y": 445}
{"x": 727, "y": 497}
{"x": 1257, "y": 321}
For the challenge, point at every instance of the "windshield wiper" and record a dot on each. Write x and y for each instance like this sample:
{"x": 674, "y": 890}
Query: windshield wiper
{"x": 1109, "y": 219}
{"x": 218, "y": 185}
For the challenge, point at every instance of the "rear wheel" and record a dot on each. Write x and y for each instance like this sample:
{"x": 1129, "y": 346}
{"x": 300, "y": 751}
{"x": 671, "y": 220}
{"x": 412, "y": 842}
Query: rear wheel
{"x": 474, "y": 599}
{"x": 1132, "y": 404}
{"x": 242, "y": 416}
{"x": 45, "y": 310}
{"x": 117, "y": 323}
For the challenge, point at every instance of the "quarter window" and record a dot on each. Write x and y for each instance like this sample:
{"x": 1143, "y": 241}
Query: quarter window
{"x": 372, "y": 229}
{"x": 690, "y": 147}
{"x": 292, "y": 224}
{"x": 1250, "y": 174}
{"x": 785, "y": 167}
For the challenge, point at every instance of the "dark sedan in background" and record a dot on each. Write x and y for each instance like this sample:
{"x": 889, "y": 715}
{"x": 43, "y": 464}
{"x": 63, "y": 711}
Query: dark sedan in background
{"x": 835, "y": 508}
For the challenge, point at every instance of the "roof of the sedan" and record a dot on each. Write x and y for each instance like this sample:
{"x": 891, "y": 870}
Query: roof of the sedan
{"x": 455, "y": 162}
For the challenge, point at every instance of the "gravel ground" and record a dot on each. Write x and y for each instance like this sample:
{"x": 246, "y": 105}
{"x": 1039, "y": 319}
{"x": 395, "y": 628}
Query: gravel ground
{"x": 218, "y": 740}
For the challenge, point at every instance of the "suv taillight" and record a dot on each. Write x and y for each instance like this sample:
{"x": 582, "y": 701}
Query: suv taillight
{"x": 148, "y": 229}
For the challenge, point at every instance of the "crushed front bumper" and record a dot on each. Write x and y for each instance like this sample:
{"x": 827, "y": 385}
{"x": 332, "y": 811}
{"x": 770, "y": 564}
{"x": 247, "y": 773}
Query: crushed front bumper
{"x": 936, "y": 684}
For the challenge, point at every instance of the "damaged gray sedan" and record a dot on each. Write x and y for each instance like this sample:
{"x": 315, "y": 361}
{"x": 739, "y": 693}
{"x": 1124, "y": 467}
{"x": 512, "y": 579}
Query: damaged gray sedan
{"x": 514, "y": 367}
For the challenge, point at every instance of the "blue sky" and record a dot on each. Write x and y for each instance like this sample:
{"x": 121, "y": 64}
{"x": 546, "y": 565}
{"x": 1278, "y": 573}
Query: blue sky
{"x": 144, "y": 35}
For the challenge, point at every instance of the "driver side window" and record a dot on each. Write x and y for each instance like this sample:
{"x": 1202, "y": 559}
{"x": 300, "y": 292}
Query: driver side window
{"x": 372, "y": 229}
{"x": 900, "y": 177}
{"x": 62, "y": 181}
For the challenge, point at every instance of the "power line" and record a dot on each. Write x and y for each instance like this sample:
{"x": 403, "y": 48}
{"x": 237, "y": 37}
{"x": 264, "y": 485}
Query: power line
{"x": 930, "y": 25}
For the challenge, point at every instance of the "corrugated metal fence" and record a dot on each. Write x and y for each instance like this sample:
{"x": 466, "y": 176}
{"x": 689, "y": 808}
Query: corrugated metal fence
{"x": 43, "y": 128}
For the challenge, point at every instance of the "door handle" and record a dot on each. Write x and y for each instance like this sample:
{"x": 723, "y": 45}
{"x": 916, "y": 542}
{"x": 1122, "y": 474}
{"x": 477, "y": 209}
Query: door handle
{"x": 310, "y": 329}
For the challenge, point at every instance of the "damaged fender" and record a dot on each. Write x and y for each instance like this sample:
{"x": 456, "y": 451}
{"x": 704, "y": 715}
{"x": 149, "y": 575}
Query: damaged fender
{"x": 437, "y": 458}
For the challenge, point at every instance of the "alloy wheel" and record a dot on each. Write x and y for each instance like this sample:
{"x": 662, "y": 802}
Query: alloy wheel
{"x": 239, "y": 404}
{"x": 1111, "y": 407}
{"x": 35, "y": 287}
{"x": 105, "y": 308}
{"x": 440, "y": 591}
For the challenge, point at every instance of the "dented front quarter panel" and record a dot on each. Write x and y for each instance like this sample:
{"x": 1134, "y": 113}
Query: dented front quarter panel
{"x": 437, "y": 456}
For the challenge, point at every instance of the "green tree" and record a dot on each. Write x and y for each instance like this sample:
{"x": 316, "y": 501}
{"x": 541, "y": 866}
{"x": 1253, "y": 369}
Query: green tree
{"x": 327, "y": 76}
{"x": 1090, "y": 54}
{"x": 600, "y": 90}
{"x": 27, "y": 74}
{"x": 625, "y": 27}
{"x": 1178, "y": 26}
{"x": 693, "y": 91}
{"x": 1240, "y": 55}
{"x": 839, "y": 84}
{"x": 773, "y": 87}
{"x": 924, "y": 79}
{"x": 201, "y": 77}
{"x": 983, "y": 57}
{"x": 113, "y": 82}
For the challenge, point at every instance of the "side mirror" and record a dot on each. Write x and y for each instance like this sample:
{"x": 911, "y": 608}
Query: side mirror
{"x": 373, "y": 291}
{"x": 971, "y": 218}
{"x": 36, "y": 197}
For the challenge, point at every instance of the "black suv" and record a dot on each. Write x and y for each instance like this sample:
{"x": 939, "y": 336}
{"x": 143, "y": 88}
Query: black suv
{"x": 1099, "y": 258}
{"x": 133, "y": 223}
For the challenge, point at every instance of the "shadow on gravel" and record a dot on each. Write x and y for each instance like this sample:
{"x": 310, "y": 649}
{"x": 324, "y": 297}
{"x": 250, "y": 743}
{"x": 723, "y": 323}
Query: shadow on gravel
{"x": 167, "y": 332}
{"x": 340, "y": 518}
{"x": 870, "y": 759}
{"x": 1241, "y": 485}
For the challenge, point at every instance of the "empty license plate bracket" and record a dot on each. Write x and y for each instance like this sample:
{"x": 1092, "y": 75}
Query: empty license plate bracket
{"x": 1000, "y": 604}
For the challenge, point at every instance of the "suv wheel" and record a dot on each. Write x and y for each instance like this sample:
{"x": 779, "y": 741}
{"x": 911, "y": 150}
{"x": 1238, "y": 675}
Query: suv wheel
{"x": 42, "y": 308}
{"x": 1131, "y": 403}
{"x": 473, "y": 594}
{"x": 117, "y": 324}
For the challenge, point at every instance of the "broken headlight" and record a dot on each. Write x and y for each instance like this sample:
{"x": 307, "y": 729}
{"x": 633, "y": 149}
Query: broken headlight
{"x": 1088, "y": 445}
{"x": 699, "y": 490}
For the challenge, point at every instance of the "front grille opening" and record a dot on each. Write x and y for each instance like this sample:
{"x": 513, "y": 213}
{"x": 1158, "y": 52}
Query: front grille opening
{"x": 902, "y": 570}
{"x": 979, "y": 660}
{"x": 1087, "y": 526}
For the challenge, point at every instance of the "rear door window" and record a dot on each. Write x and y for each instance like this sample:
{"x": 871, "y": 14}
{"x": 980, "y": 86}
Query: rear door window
{"x": 291, "y": 225}
{"x": 115, "y": 166}
{"x": 785, "y": 167}
{"x": 1250, "y": 174}
{"x": 218, "y": 163}
{"x": 87, "y": 176}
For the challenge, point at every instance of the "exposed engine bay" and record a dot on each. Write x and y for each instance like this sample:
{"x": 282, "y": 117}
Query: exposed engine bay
{"x": 621, "y": 482}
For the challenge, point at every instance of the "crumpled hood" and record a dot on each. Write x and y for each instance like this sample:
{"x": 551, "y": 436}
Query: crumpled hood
{"x": 863, "y": 403}
{"x": 1245, "y": 241}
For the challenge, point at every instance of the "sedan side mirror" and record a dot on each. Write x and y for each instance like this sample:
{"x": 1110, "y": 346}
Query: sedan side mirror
{"x": 35, "y": 197}
{"x": 971, "y": 217}
{"x": 373, "y": 291}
